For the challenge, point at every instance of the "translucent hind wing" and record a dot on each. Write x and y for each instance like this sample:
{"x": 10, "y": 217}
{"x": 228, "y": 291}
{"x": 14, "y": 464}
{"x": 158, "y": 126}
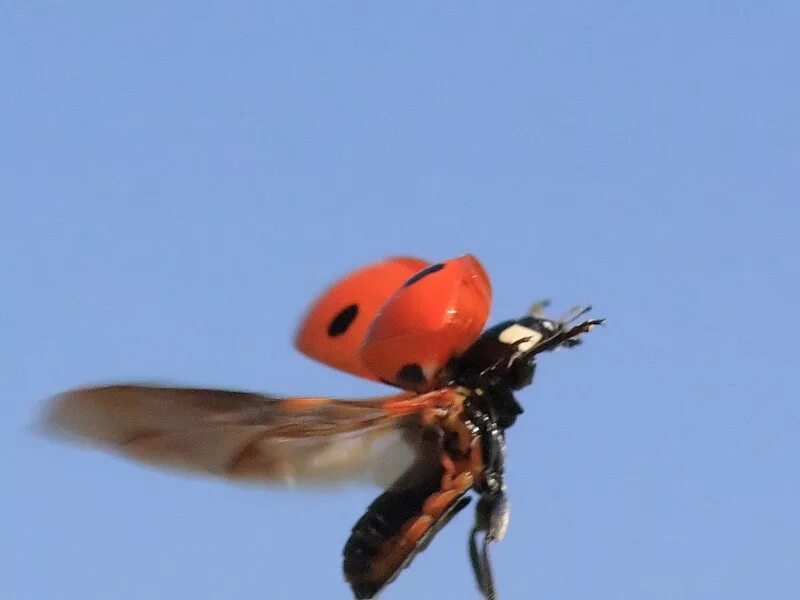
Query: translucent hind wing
{"x": 242, "y": 435}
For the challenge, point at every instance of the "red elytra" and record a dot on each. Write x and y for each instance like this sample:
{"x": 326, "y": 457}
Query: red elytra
{"x": 336, "y": 323}
{"x": 399, "y": 320}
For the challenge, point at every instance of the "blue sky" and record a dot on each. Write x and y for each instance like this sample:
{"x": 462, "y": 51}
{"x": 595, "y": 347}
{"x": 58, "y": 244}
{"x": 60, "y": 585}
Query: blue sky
{"x": 180, "y": 179}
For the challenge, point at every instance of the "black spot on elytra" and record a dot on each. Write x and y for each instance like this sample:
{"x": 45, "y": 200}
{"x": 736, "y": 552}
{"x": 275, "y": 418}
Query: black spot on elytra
{"x": 411, "y": 373}
{"x": 424, "y": 273}
{"x": 342, "y": 321}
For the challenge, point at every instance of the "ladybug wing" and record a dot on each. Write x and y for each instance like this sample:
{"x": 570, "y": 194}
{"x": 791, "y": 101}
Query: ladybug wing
{"x": 434, "y": 316}
{"x": 333, "y": 329}
{"x": 248, "y": 436}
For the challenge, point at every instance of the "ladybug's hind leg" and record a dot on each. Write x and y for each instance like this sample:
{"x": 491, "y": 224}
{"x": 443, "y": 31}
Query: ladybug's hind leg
{"x": 491, "y": 519}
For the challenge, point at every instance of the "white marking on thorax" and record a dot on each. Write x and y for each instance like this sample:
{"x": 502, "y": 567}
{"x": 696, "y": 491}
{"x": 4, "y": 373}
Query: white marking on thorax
{"x": 516, "y": 332}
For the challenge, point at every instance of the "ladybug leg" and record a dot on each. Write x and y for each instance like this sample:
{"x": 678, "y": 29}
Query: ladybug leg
{"x": 491, "y": 519}
{"x": 481, "y": 565}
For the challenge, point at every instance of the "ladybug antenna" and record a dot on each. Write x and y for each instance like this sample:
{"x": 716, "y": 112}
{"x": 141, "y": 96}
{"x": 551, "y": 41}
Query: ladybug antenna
{"x": 564, "y": 335}
{"x": 574, "y": 313}
{"x": 537, "y": 310}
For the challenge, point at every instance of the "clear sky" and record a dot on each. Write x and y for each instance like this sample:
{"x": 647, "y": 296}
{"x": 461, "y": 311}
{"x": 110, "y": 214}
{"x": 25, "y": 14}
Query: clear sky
{"x": 178, "y": 180}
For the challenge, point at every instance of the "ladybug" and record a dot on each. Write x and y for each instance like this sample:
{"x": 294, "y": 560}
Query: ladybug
{"x": 413, "y": 325}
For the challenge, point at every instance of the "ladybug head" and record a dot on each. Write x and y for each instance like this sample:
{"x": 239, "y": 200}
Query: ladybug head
{"x": 504, "y": 356}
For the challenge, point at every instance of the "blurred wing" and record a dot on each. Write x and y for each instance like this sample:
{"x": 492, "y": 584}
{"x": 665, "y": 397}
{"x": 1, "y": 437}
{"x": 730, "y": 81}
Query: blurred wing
{"x": 334, "y": 327}
{"x": 246, "y": 436}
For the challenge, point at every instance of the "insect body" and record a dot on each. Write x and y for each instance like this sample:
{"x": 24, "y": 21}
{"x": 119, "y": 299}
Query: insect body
{"x": 413, "y": 325}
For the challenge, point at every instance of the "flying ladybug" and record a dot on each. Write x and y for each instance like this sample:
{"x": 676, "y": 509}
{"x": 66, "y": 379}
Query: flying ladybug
{"x": 413, "y": 325}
